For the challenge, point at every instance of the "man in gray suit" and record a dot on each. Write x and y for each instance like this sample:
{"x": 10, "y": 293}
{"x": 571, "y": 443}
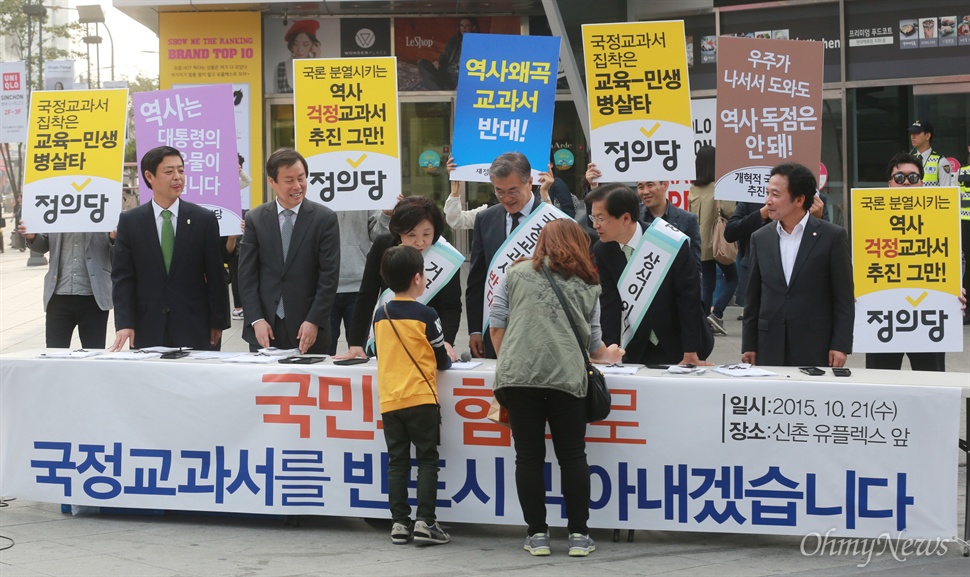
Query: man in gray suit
{"x": 511, "y": 176}
{"x": 289, "y": 263}
{"x": 799, "y": 308}
{"x": 77, "y": 287}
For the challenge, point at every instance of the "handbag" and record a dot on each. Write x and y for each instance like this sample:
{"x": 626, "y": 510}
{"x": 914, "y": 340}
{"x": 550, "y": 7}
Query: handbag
{"x": 498, "y": 414}
{"x": 724, "y": 252}
{"x": 417, "y": 366}
{"x": 598, "y": 399}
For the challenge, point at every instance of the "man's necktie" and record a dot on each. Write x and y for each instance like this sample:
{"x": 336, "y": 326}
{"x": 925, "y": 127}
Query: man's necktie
{"x": 627, "y": 251}
{"x": 168, "y": 239}
{"x": 286, "y": 233}
{"x": 515, "y": 219}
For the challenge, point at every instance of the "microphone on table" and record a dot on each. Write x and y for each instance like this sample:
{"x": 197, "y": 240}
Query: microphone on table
{"x": 466, "y": 356}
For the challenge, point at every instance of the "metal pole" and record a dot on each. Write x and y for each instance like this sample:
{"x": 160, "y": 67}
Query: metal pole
{"x": 112, "y": 51}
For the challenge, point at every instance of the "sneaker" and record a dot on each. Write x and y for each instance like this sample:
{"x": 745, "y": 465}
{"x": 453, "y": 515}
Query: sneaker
{"x": 400, "y": 534}
{"x": 716, "y": 324}
{"x": 538, "y": 544}
{"x": 431, "y": 534}
{"x": 580, "y": 545}
{"x": 237, "y": 314}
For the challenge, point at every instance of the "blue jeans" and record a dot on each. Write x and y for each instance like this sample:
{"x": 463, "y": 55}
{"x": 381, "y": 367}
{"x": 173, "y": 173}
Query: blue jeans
{"x": 709, "y": 272}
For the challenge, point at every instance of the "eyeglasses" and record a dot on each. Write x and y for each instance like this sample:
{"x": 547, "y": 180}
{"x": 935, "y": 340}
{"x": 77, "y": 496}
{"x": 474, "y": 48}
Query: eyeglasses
{"x": 901, "y": 177}
{"x": 597, "y": 219}
{"x": 509, "y": 192}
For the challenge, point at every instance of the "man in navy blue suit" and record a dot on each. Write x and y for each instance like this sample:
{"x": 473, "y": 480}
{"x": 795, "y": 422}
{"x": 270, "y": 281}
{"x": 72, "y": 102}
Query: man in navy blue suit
{"x": 511, "y": 176}
{"x": 169, "y": 283}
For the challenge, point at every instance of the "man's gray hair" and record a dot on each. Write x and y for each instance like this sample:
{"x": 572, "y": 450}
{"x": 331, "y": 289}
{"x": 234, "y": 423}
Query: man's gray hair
{"x": 509, "y": 163}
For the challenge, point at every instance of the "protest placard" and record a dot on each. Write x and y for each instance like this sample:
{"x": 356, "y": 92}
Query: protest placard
{"x": 347, "y": 129}
{"x": 200, "y": 123}
{"x": 639, "y": 101}
{"x": 769, "y": 100}
{"x": 75, "y": 154}
{"x": 505, "y": 102}
{"x": 906, "y": 268}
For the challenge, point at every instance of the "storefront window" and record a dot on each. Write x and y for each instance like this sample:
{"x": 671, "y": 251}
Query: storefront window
{"x": 832, "y": 157}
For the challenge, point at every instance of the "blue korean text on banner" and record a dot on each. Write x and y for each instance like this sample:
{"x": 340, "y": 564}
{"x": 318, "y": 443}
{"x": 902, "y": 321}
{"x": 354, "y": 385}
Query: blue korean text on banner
{"x": 505, "y": 102}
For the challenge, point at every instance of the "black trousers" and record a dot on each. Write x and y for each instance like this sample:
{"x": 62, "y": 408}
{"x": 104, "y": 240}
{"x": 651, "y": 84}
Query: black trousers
{"x": 918, "y": 361}
{"x": 65, "y": 312}
{"x": 529, "y": 409}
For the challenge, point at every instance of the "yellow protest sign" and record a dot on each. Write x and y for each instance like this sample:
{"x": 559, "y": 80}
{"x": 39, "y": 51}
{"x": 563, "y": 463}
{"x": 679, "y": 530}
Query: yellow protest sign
{"x": 75, "y": 154}
{"x": 639, "y": 101}
{"x": 347, "y": 128}
{"x": 906, "y": 269}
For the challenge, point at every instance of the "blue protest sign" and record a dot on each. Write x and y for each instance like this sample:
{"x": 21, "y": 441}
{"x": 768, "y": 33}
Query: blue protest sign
{"x": 505, "y": 102}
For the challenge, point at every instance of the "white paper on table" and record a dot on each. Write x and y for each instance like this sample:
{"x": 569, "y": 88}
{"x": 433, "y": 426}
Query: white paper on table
{"x": 78, "y": 354}
{"x": 465, "y": 365}
{"x": 618, "y": 369}
{"x": 163, "y": 350}
{"x": 136, "y": 355}
{"x": 209, "y": 355}
{"x": 257, "y": 359}
{"x": 273, "y": 351}
{"x": 682, "y": 370}
{"x": 743, "y": 370}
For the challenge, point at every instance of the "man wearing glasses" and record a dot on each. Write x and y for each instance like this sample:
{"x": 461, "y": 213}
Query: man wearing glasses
{"x": 672, "y": 328}
{"x": 906, "y": 170}
{"x": 511, "y": 176}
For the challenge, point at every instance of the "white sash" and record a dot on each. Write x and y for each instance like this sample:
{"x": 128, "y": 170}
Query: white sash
{"x": 521, "y": 243}
{"x": 441, "y": 263}
{"x": 644, "y": 272}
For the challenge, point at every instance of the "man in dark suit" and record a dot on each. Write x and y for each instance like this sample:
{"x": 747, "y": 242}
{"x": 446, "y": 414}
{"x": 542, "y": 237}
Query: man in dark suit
{"x": 653, "y": 194}
{"x": 168, "y": 275}
{"x": 289, "y": 263}
{"x": 673, "y": 328}
{"x": 799, "y": 308}
{"x": 511, "y": 176}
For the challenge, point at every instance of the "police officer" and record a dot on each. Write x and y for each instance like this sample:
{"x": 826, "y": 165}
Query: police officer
{"x": 936, "y": 168}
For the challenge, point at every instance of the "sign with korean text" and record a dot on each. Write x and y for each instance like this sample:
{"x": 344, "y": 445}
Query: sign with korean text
{"x": 198, "y": 48}
{"x": 505, "y": 101}
{"x": 644, "y": 272}
{"x": 774, "y": 456}
{"x": 521, "y": 243}
{"x": 75, "y": 153}
{"x": 906, "y": 268}
{"x": 199, "y": 122}
{"x": 347, "y": 129}
{"x": 639, "y": 101}
{"x": 13, "y": 102}
{"x": 769, "y": 101}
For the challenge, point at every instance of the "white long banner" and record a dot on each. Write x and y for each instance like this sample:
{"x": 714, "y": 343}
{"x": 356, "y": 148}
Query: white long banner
{"x": 685, "y": 454}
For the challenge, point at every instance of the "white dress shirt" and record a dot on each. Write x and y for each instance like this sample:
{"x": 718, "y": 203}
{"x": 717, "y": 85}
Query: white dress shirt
{"x": 174, "y": 209}
{"x": 635, "y": 239}
{"x": 279, "y": 213}
{"x": 788, "y": 245}
{"x": 526, "y": 211}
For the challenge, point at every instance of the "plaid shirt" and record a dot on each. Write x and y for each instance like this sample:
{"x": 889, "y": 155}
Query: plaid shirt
{"x": 282, "y": 83}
